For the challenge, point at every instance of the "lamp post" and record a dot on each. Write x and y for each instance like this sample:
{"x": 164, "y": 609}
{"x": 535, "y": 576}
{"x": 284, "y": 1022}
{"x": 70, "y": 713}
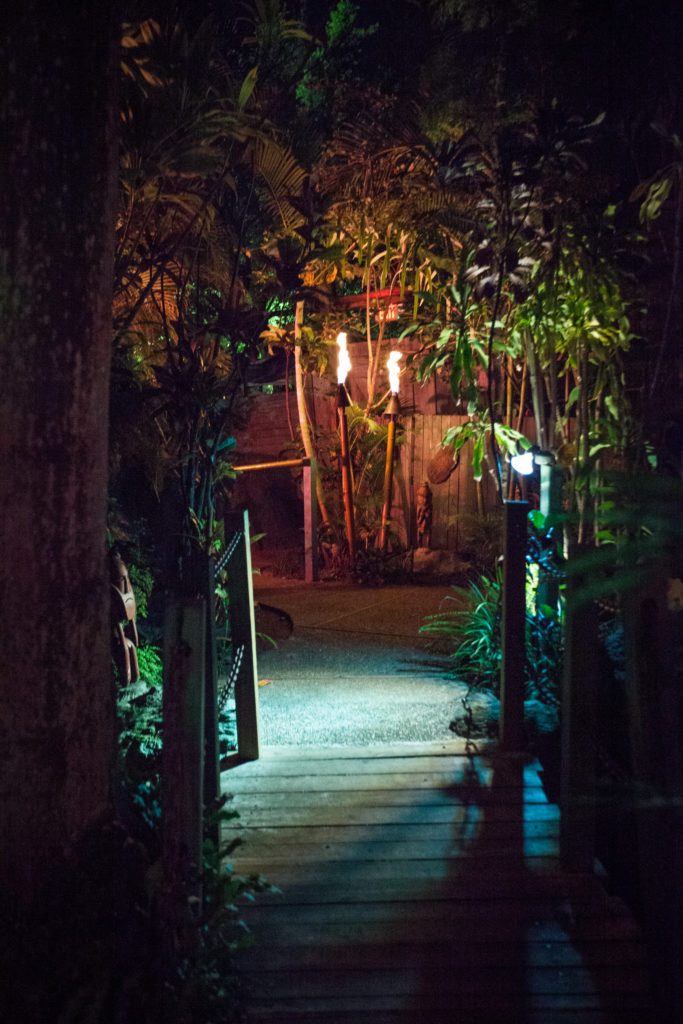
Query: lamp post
{"x": 547, "y": 592}
{"x": 342, "y": 402}
{"x": 512, "y": 631}
{"x": 551, "y": 476}
{"x": 392, "y": 412}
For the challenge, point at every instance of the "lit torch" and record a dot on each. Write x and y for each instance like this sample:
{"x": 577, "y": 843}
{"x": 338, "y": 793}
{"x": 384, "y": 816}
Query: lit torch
{"x": 392, "y": 411}
{"x": 343, "y": 367}
{"x": 344, "y": 361}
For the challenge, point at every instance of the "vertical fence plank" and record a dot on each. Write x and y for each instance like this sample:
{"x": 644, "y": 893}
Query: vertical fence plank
{"x": 412, "y": 472}
{"x": 415, "y": 474}
{"x": 435, "y": 430}
{"x": 468, "y": 488}
{"x": 453, "y": 499}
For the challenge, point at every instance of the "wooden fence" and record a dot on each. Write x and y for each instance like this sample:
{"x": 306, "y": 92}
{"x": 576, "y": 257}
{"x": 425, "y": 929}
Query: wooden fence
{"x": 458, "y": 494}
{"x": 267, "y": 438}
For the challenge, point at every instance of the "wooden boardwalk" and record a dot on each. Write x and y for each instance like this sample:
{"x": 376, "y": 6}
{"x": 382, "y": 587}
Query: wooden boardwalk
{"x": 421, "y": 886}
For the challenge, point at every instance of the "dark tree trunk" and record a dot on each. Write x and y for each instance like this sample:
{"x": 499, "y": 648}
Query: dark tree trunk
{"x": 58, "y": 115}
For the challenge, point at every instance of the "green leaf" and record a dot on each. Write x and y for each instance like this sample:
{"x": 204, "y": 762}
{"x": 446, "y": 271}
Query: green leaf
{"x": 247, "y": 88}
{"x": 657, "y": 195}
{"x": 610, "y": 403}
{"x": 573, "y": 395}
{"x": 477, "y": 457}
{"x": 537, "y": 519}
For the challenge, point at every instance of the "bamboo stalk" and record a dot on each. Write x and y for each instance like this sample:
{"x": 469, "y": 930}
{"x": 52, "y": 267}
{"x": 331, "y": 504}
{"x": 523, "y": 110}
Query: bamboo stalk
{"x": 375, "y": 366}
{"x": 306, "y": 438}
{"x": 282, "y": 464}
{"x": 522, "y": 396}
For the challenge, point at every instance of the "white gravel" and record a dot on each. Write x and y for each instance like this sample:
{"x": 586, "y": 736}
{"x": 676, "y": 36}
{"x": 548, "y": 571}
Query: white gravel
{"x": 331, "y": 686}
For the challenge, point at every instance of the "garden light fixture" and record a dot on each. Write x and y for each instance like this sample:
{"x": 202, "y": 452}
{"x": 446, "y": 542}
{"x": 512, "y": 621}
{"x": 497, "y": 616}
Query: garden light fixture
{"x": 550, "y": 504}
{"x": 523, "y": 463}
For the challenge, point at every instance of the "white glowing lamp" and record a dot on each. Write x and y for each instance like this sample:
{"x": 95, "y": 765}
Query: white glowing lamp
{"x": 344, "y": 361}
{"x": 523, "y": 464}
{"x": 392, "y": 367}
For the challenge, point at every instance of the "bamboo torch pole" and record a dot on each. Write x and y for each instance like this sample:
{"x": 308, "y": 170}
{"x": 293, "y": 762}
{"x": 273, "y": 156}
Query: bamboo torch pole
{"x": 392, "y": 411}
{"x": 342, "y": 402}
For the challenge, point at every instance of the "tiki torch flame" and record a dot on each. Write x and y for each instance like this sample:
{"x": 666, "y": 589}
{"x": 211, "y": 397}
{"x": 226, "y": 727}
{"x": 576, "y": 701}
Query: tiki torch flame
{"x": 392, "y": 366}
{"x": 344, "y": 363}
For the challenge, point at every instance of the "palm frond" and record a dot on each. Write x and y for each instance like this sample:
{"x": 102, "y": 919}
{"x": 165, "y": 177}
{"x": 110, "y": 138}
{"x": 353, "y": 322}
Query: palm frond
{"x": 281, "y": 178}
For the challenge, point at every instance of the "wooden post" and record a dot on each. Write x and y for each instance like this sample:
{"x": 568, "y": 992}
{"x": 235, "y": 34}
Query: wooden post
{"x": 183, "y": 754}
{"x": 579, "y": 704}
{"x": 211, "y": 739}
{"x": 513, "y": 627}
{"x": 199, "y": 582}
{"x": 242, "y": 633}
{"x": 655, "y": 712}
{"x": 310, "y": 521}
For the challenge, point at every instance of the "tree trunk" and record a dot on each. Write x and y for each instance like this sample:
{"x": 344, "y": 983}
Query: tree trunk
{"x": 306, "y": 438}
{"x": 57, "y": 192}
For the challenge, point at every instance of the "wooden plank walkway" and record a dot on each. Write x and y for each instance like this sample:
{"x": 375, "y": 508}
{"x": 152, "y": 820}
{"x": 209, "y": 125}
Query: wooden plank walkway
{"x": 421, "y": 886}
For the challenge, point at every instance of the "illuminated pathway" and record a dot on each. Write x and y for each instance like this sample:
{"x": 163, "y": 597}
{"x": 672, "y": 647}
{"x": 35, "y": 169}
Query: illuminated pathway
{"x": 420, "y": 886}
{"x": 355, "y": 668}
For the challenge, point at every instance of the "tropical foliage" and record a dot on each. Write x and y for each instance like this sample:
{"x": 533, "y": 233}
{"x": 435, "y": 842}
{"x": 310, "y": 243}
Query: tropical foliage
{"x": 529, "y": 219}
{"x": 266, "y": 168}
{"x": 200, "y": 174}
{"x": 471, "y": 626}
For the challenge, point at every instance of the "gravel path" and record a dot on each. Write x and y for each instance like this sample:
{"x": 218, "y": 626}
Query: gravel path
{"x": 355, "y": 669}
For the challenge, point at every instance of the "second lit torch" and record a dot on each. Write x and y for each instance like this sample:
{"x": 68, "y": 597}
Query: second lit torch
{"x": 343, "y": 367}
{"x": 392, "y": 411}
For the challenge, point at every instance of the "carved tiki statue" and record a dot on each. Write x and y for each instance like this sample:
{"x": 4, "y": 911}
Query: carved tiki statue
{"x": 125, "y": 638}
{"x": 424, "y": 516}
